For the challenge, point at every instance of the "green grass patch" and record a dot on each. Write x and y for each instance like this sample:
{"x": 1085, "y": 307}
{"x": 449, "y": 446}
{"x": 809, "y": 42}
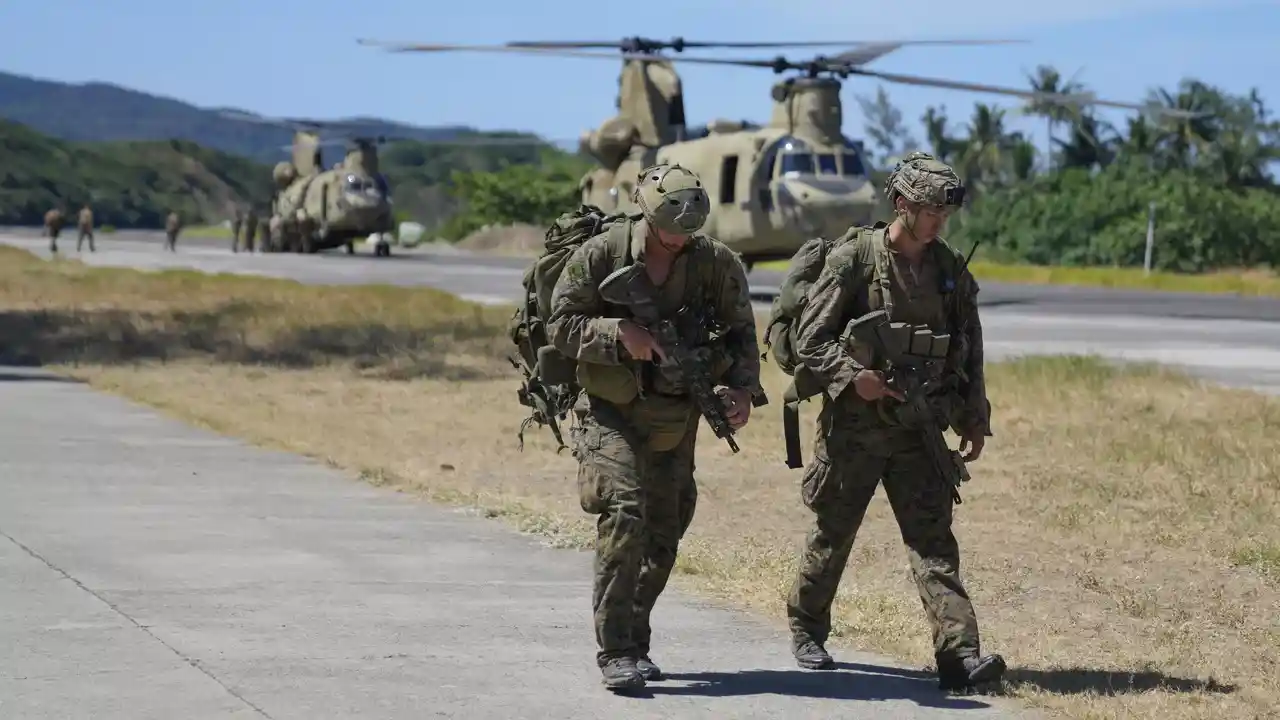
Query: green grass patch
{"x": 209, "y": 231}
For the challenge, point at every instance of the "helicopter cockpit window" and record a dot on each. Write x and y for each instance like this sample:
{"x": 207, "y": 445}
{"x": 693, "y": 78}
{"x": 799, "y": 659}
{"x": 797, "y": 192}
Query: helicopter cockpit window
{"x": 853, "y": 164}
{"x": 797, "y": 163}
{"x": 827, "y": 164}
{"x": 380, "y": 182}
{"x": 794, "y": 157}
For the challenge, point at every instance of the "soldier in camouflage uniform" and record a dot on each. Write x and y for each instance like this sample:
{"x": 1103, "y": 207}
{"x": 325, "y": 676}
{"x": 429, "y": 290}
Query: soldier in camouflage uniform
{"x": 53, "y": 222}
{"x": 237, "y": 220}
{"x": 857, "y": 446}
{"x": 172, "y": 226}
{"x": 86, "y": 229}
{"x": 636, "y": 432}
{"x": 250, "y": 228}
{"x": 266, "y": 227}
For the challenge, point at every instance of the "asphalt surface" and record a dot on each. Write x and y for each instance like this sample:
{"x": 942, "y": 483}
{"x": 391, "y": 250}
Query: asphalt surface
{"x": 151, "y": 570}
{"x": 1223, "y": 338}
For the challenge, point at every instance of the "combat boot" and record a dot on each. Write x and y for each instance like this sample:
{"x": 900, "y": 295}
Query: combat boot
{"x": 810, "y": 655}
{"x": 648, "y": 669}
{"x": 621, "y": 674}
{"x": 964, "y": 674}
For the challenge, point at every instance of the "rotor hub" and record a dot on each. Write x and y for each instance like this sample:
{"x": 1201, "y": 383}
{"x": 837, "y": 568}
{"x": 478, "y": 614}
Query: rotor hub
{"x": 637, "y": 44}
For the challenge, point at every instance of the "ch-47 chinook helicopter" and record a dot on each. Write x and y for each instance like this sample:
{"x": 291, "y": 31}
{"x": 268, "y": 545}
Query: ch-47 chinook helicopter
{"x": 773, "y": 186}
{"x": 314, "y": 209}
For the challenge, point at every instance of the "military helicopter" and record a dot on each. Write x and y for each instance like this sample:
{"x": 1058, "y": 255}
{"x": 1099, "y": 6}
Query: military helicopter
{"x": 315, "y": 209}
{"x": 772, "y": 186}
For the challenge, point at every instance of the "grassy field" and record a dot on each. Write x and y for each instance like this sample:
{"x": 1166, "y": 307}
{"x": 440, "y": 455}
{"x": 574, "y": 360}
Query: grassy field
{"x": 1119, "y": 538}
{"x": 1253, "y": 283}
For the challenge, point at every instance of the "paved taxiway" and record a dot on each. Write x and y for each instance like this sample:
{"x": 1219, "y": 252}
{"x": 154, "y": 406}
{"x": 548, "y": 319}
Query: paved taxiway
{"x": 1228, "y": 339}
{"x": 153, "y": 571}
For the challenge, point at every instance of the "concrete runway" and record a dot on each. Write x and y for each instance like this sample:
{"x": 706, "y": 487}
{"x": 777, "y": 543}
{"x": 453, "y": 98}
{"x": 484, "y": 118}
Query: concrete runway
{"x": 1227, "y": 339}
{"x": 149, "y": 570}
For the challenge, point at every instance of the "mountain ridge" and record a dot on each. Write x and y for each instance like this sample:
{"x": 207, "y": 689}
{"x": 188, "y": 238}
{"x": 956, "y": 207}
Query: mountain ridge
{"x": 100, "y": 111}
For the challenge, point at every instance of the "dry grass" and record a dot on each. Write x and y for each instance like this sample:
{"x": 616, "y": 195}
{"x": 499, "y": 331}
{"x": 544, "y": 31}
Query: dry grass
{"x": 1119, "y": 539}
{"x": 521, "y": 240}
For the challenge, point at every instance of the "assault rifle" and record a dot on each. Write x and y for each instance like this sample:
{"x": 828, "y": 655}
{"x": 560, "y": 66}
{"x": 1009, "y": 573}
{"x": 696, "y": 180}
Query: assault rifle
{"x": 914, "y": 359}
{"x": 631, "y": 288}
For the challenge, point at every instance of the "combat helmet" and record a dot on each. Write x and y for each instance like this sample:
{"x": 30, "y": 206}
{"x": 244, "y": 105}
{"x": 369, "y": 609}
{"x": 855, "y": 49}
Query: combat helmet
{"x": 672, "y": 199}
{"x": 922, "y": 178}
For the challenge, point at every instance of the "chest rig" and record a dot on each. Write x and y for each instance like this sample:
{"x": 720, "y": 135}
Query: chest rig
{"x": 914, "y": 347}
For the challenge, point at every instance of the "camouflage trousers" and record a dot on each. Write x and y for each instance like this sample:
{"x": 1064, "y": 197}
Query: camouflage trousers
{"x": 837, "y": 487}
{"x": 170, "y": 240}
{"x": 84, "y": 234}
{"x": 644, "y": 501}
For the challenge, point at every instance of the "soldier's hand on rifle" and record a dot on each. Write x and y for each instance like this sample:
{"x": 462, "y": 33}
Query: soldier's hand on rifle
{"x": 974, "y": 441}
{"x": 870, "y": 386}
{"x": 737, "y": 404}
{"x": 638, "y": 342}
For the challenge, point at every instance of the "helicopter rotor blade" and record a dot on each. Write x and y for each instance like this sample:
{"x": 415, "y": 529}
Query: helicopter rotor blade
{"x": 1084, "y": 98}
{"x": 844, "y": 64}
{"x": 400, "y": 47}
{"x": 281, "y": 122}
{"x": 866, "y": 50}
{"x": 633, "y": 44}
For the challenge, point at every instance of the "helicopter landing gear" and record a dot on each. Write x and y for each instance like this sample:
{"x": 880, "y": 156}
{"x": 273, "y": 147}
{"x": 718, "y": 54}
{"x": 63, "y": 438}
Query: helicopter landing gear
{"x": 382, "y": 249}
{"x": 351, "y": 248}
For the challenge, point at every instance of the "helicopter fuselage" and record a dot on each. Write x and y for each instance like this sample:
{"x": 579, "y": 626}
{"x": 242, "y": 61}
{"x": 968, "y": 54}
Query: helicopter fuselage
{"x": 336, "y": 206}
{"x": 770, "y": 189}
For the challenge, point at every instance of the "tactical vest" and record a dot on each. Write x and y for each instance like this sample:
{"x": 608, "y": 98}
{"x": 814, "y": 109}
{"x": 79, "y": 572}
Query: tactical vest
{"x": 876, "y": 265}
{"x": 664, "y": 418}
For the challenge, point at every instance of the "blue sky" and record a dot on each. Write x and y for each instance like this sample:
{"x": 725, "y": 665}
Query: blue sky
{"x": 299, "y": 57}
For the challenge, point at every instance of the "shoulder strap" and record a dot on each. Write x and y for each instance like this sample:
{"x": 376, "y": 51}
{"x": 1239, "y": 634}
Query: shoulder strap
{"x": 618, "y": 239}
{"x": 704, "y": 262}
{"x": 881, "y": 281}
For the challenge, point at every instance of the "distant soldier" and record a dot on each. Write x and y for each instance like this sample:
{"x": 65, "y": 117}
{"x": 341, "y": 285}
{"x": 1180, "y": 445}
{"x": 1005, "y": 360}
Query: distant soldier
{"x": 172, "y": 226}
{"x": 275, "y": 230}
{"x": 53, "y": 222}
{"x": 236, "y": 221}
{"x": 86, "y": 229}
{"x": 250, "y": 228}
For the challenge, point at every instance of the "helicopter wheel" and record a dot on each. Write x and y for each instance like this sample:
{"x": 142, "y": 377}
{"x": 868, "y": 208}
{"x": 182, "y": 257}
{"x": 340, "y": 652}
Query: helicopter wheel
{"x": 382, "y": 250}
{"x": 351, "y": 249}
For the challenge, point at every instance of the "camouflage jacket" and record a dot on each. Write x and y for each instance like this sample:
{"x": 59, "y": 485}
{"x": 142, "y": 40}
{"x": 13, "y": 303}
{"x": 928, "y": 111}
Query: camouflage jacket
{"x": 846, "y": 289}
{"x": 582, "y": 326}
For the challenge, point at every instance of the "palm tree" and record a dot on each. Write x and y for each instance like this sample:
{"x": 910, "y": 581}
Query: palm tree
{"x": 985, "y": 158}
{"x": 935, "y": 129}
{"x": 1247, "y": 142}
{"x": 1048, "y": 80}
{"x": 1022, "y": 157}
{"x": 1093, "y": 143}
{"x": 1185, "y": 139}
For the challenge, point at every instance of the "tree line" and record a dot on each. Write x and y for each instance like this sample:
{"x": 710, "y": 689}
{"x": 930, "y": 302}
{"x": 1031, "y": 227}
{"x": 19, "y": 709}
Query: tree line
{"x": 1082, "y": 199}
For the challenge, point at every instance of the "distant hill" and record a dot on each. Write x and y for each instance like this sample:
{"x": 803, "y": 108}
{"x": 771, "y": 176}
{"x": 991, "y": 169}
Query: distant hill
{"x": 136, "y": 156}
{"x": 128, "y": 184}
{"x": 102, "y": 112}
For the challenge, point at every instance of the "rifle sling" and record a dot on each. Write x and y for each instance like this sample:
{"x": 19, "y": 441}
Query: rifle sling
{"x": 791, "y": 426}
{"x": 803, "y": 386}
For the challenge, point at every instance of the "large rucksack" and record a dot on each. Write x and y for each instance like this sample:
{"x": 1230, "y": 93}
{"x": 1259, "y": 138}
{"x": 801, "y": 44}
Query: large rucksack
{"x": 793, "y": 295}
{"x": 550, "y": 387}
